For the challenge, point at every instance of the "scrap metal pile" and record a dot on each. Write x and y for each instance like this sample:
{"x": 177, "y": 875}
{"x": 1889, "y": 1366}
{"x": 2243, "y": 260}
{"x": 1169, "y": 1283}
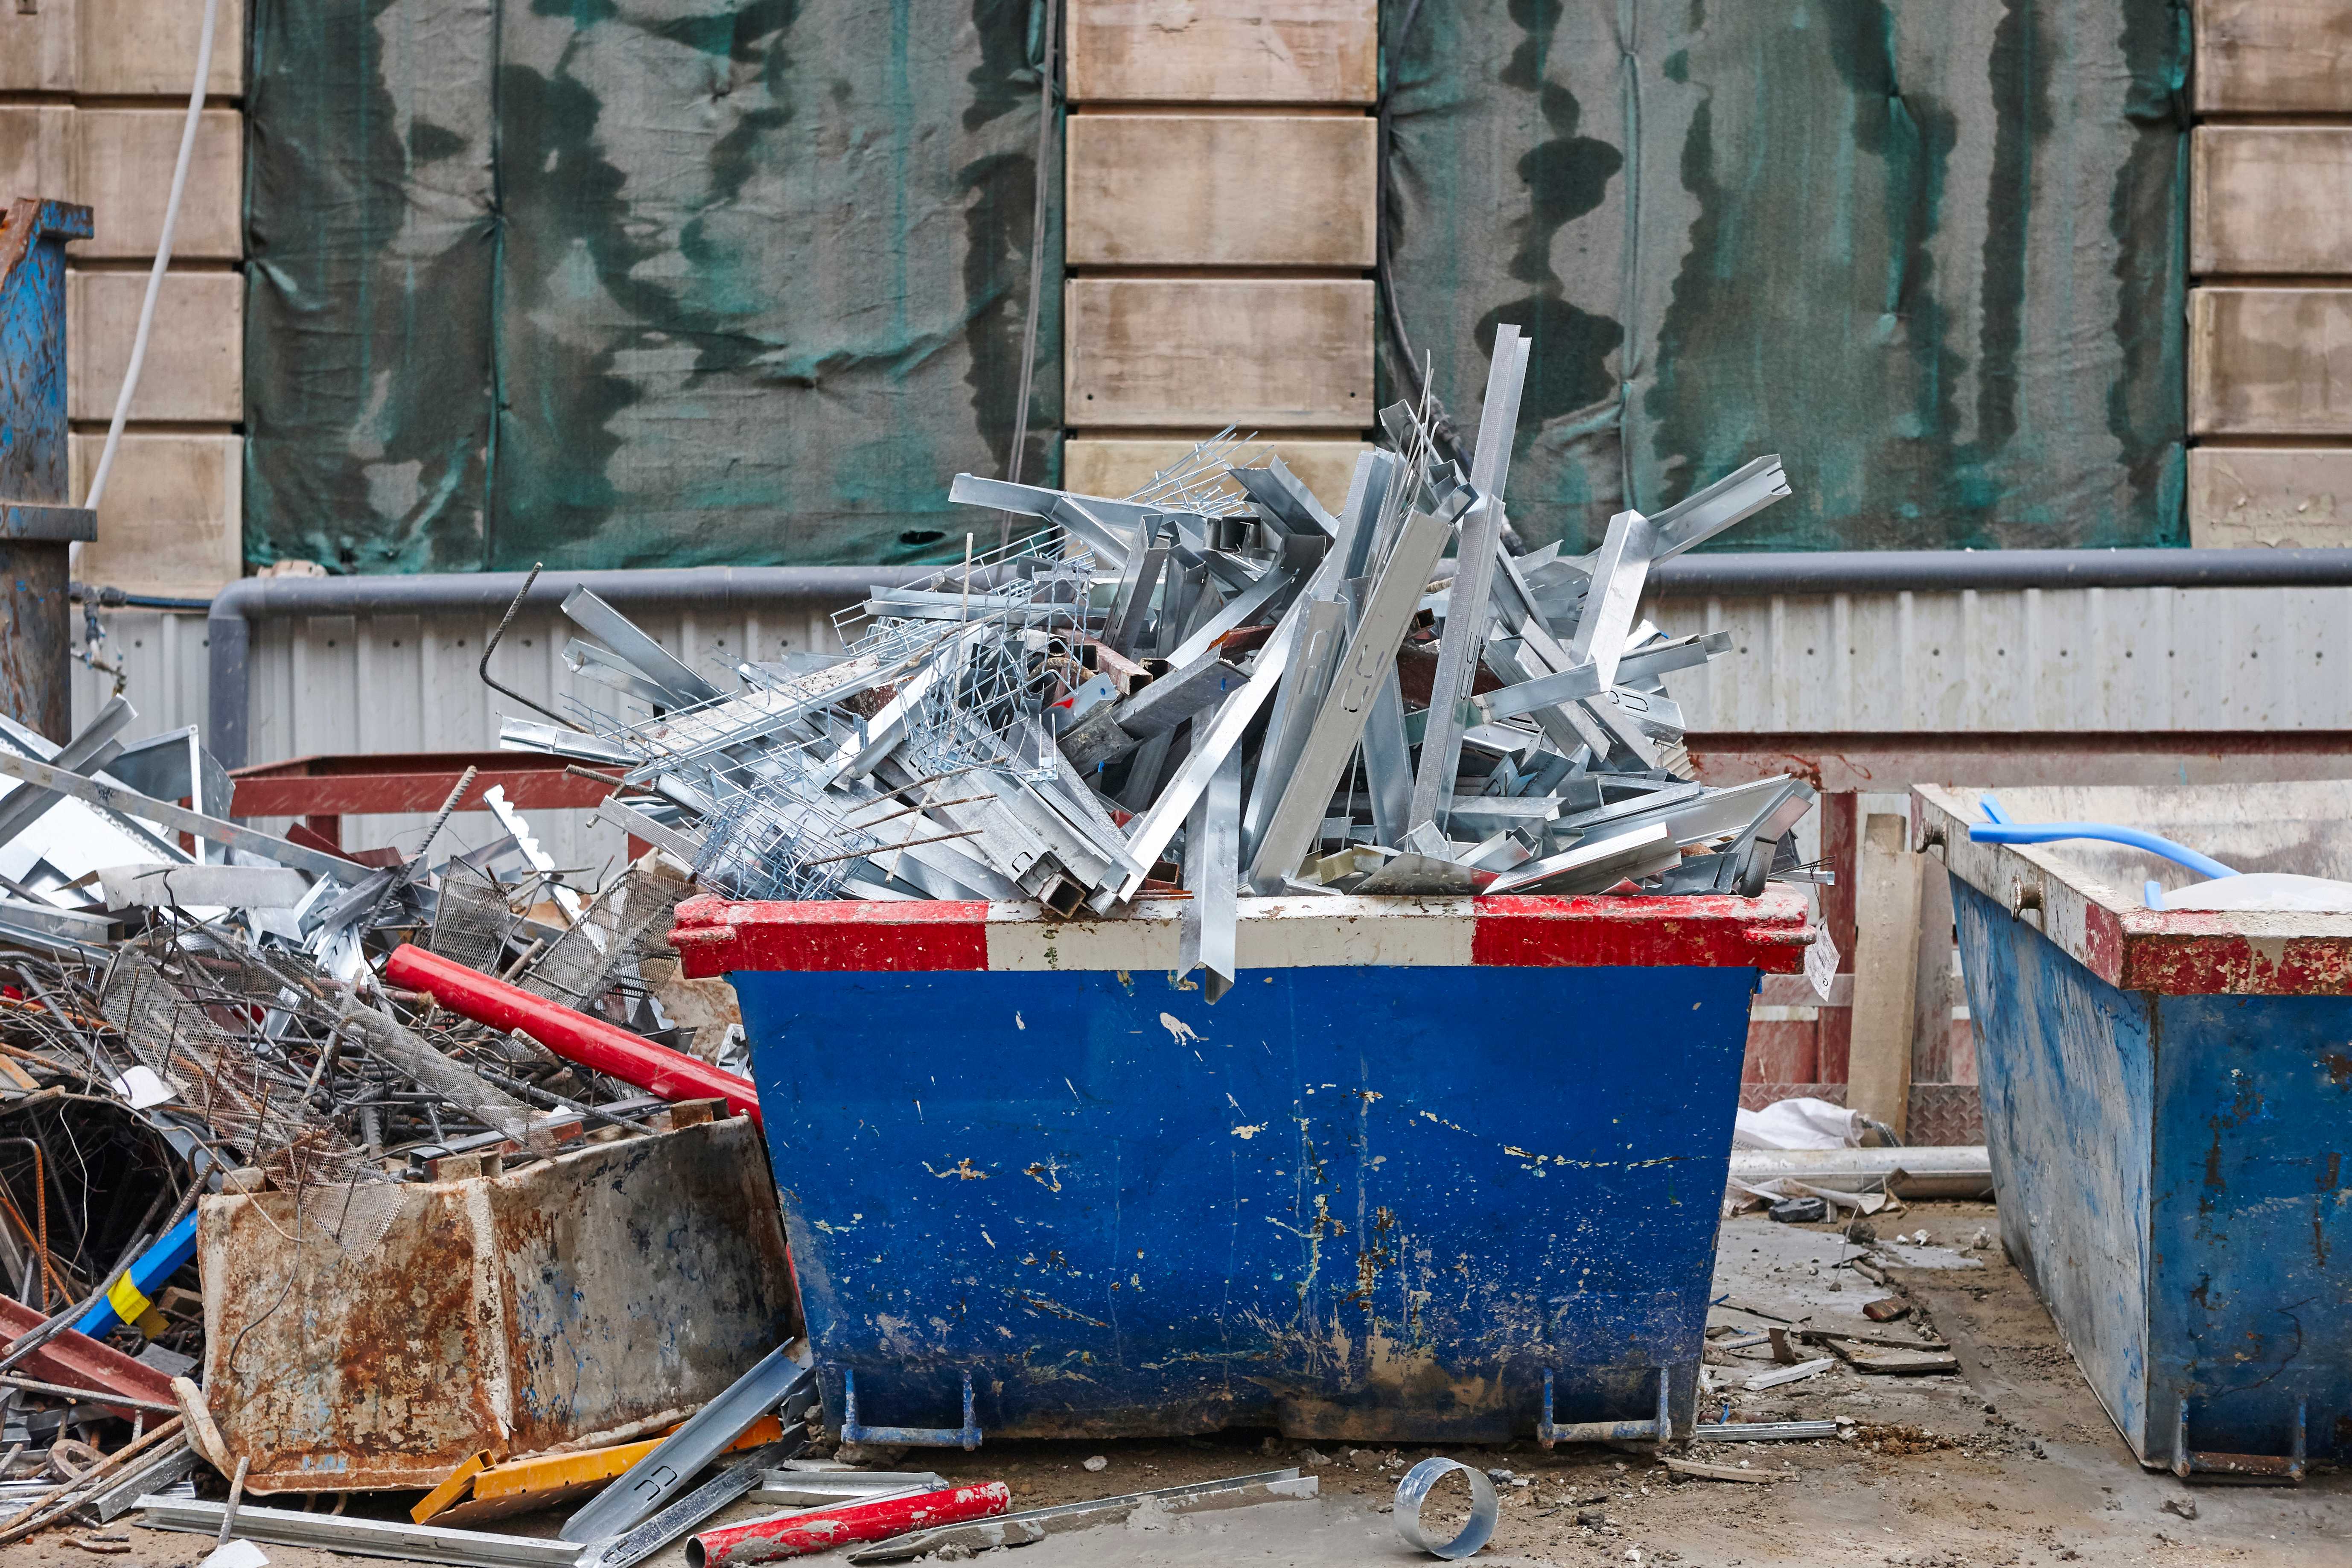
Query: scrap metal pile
{"x": 188, "y": 1006}
{"x": 1214, "y": 685}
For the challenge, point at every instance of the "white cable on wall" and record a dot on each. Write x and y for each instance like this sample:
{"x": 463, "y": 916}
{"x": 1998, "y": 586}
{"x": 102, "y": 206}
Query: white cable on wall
{"x": 162, "y": 258}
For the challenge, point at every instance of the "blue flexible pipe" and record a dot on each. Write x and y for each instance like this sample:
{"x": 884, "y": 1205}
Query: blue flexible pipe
{"x": 2051, "y": 831}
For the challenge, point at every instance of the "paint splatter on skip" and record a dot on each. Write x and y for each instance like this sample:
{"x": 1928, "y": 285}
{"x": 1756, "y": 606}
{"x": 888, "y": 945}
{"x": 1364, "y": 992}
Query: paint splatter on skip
{"x": 1178, "y": 1029}
{"x": 1246, "y": 1133}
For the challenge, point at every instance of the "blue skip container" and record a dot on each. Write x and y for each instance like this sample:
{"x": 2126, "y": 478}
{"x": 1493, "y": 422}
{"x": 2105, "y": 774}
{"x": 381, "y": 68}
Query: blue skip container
{"x": 1442, "y": 1171}
{"x": 2167, "y": 1104}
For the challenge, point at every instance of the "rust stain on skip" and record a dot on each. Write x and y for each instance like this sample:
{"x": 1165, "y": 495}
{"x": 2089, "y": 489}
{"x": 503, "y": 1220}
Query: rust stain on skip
{"x": 375, "y": 1338}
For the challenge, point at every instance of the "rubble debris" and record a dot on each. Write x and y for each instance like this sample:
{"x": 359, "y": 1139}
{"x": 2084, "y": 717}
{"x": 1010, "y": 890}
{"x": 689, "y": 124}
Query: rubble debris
{"x": 1886, "y": 1310}
{"x": 1412, "y": 1492}
{"x": 1212, "y": 687}
{"x": 1807, "y": 1210}
{"x": 191, "y": 1006}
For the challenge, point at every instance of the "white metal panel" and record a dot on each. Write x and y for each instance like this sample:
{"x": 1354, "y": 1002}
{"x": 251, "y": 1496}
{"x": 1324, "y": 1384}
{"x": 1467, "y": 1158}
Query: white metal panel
{"x": 2060, "y": 659}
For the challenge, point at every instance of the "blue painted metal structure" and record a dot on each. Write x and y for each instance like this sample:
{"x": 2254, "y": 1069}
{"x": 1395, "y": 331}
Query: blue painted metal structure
{"x": 2169, "y": 1156}
{"x": 37, "y": 526}
{"x": 1368, "y": 1203}
{"x": 133, "y": 1296}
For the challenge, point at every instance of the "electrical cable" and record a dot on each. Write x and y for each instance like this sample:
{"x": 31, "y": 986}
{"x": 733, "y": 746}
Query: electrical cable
{"x": 162, "y": 258}
{"x": 1382, "y": 274}
{"x": 1045, "y": 121}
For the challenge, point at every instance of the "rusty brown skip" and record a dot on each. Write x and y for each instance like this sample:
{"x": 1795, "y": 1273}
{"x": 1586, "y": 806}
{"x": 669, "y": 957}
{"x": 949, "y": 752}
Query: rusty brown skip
{"x": 375, "y": 1336}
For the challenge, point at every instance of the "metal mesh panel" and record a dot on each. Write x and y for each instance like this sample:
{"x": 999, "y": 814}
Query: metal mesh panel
{"x": 470, "y": 924}
{"x": 628, "y": 924}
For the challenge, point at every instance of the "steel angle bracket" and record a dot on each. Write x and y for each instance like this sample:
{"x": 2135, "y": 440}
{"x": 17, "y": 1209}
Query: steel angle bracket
{"x": 1282, "y": 501}
{"x": 654, "y": 1480}
{"x": 1763, "y": 1431}
{"x": 1346, "y": 706}
{"x": 606, "y": 667}
{"x": 1151, "y": 833}
{"x": 1660, "y": 1429}
{"x": 633, "y": 648}
{"x": 117, "y": 1498}
{"x": 1470, "y": 605}
{"x": 686, "y": 850}
{"x": 966, "y": 1436}
{"x": 1263, "y": 596}
{"x": 1037, "y": 501}
{"x": 530, "y": 735}
{"x": 634, "y": 1546}
{"x": 1735, "y": 497}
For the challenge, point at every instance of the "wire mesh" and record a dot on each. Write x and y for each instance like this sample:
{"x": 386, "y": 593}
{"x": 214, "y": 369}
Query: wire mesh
{"x": 628, "y": 923}
{"x": 777, "y": 845}
{"x": 1196, "y": 482}
{"x": 471, "y": 921}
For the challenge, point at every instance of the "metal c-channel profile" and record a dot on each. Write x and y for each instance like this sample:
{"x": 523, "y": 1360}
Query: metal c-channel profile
{"x": 966, "y": 1437}
{"x": 1414, "y": 1490}
{"x": 1656, "y": 1430}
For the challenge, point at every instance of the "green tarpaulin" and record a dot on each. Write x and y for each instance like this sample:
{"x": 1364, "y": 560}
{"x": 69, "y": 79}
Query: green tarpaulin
{"x": 665, "y": 282}
{"x": 636, "y": 282}
{"x": 1932, "y": 254}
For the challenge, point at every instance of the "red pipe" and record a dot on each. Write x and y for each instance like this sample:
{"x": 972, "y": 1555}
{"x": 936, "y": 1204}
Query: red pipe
{"x": 822, "y": 1530}
{"x": 571, "y": 1034}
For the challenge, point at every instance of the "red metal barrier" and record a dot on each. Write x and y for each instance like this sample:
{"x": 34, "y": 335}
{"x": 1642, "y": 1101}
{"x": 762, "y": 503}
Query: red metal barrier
{"x": 76, "y": 1361}
{"x": 324, "y": 790}
{"x": 575, "y": 1035}
{"x": 822, "y": 1530}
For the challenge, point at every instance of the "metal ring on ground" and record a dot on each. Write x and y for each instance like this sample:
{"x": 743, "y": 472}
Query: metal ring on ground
{"x": 1414, "y": 1489}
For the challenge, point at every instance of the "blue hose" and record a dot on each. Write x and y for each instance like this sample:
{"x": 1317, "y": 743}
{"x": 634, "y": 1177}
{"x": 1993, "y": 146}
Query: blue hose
{"x": 2051, "y": 831}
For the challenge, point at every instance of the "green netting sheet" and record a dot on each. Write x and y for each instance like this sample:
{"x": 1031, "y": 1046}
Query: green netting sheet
{"x": 1931, "y": 253}
{"x": 615, "y": 283}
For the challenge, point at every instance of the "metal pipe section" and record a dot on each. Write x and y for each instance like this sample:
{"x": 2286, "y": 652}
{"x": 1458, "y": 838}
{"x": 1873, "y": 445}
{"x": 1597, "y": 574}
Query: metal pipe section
{"x": 575, "y": 1035}
{"x": 229, "y": 625}
{"x": 827, "y": 1530}
{"x": 1957, "y": 571}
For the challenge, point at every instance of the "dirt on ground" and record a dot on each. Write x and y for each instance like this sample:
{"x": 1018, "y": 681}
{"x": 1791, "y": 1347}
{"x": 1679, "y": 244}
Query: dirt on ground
{"x": 2008, "y": 1461}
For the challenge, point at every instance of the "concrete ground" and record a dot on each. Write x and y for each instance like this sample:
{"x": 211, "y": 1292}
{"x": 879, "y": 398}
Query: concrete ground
{"x": 2008, "y": 1461}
